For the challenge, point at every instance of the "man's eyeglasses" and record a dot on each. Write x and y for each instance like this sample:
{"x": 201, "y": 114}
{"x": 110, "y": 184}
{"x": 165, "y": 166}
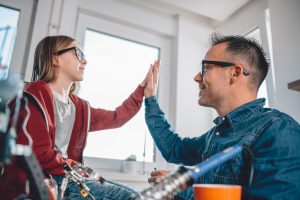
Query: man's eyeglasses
{"x": 221, "y": 64}
{"x": 80, "y": 56}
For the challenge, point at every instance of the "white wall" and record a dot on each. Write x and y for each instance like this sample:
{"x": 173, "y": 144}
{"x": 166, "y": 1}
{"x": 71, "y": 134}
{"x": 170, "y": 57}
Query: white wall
{"x": 193, "y": 41}
{"x": 285, "y": 27}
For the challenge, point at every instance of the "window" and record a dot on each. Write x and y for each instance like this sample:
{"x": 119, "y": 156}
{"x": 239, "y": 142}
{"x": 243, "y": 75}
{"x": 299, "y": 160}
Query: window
{"x": 262, "y": 92}
{"x": 16, "y": 24}
{"x": 8, "y": 28}
{"x": 115, "y": 67}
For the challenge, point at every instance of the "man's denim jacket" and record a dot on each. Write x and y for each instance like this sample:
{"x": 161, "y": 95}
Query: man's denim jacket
{"x": 273, "y": 137}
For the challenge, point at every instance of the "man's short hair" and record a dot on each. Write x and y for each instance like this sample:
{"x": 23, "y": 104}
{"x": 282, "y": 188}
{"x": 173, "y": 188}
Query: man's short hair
{"x": 249, "y": 50}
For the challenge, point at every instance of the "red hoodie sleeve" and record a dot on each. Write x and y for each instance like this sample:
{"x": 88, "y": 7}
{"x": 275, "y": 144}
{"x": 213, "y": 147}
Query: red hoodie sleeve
{"x": 106, "y": 119}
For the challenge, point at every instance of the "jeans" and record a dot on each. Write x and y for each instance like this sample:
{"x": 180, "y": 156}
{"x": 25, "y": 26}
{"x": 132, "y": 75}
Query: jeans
{"x": 107, "y": 191}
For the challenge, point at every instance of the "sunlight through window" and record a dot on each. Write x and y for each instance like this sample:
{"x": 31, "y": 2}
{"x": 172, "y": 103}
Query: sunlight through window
{"x": 115, "y": 68}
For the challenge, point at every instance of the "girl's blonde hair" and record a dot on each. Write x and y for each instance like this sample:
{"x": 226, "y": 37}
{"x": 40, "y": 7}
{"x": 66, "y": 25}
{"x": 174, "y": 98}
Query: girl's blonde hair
{"x": 43, "y": 68}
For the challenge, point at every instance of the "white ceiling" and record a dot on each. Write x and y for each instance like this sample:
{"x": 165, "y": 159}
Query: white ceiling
{"x": 218, "y": 10}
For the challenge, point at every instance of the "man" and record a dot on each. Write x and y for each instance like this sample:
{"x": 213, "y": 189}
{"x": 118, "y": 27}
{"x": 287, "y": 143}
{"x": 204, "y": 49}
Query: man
{"x": 232, "y": 71}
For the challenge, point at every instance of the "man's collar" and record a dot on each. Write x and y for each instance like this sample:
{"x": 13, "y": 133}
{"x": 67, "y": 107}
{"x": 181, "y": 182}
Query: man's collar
{"x": 241, "y": 113}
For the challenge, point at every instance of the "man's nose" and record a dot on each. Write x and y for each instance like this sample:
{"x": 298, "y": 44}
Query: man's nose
{"x": 198, "y": 77}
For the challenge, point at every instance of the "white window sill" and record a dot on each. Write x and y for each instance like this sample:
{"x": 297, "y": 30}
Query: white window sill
{"x": 123, "y": 177}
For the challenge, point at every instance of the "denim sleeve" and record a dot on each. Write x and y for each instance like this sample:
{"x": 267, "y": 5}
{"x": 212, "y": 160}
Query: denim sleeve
{"x": 174, "y": 149}
{"x": 277, "y": 161}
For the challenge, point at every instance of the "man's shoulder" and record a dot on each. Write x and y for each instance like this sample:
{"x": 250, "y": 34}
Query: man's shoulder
{"x": 280, "y": 130}
{"x": 266, "y": 119}
{"x": 277, "y": 124}
{"x": 276, "y": 115}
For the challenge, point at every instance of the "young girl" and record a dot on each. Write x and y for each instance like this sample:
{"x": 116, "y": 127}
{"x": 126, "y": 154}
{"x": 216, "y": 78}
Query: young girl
{"x": 59, "y": 121}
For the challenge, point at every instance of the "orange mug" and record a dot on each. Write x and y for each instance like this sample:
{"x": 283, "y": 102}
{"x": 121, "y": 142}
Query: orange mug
{"x": 217, "y": 192}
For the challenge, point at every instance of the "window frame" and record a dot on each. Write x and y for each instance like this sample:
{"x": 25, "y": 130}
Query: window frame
{"x": 264, "y": 83}
{"x": 263, "y": 24}
{"x": 20, "y": 54}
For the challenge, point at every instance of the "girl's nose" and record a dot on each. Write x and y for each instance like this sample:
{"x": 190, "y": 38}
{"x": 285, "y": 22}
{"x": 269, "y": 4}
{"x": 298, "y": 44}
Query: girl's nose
{"x": 84, "y": 61}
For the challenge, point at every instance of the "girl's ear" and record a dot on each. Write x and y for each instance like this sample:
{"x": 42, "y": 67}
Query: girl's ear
{"x": 55, "y": 60}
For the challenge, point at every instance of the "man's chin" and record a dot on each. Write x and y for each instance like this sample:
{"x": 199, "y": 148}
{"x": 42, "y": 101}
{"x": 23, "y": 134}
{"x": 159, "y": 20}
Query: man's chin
{"x": 202, "y": 102}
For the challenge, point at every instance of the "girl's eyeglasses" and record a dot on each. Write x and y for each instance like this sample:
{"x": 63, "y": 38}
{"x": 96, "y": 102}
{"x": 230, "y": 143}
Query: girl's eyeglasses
{"x": 79, "y": 54}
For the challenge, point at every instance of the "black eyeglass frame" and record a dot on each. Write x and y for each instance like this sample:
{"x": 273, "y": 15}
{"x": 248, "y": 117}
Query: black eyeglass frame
{"x": 79, "y": 54}
{"x": 221, "y": 64}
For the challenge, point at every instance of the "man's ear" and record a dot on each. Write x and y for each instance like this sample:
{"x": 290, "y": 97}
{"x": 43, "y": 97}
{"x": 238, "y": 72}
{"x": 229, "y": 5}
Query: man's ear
{"x": 236, "y": 73}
